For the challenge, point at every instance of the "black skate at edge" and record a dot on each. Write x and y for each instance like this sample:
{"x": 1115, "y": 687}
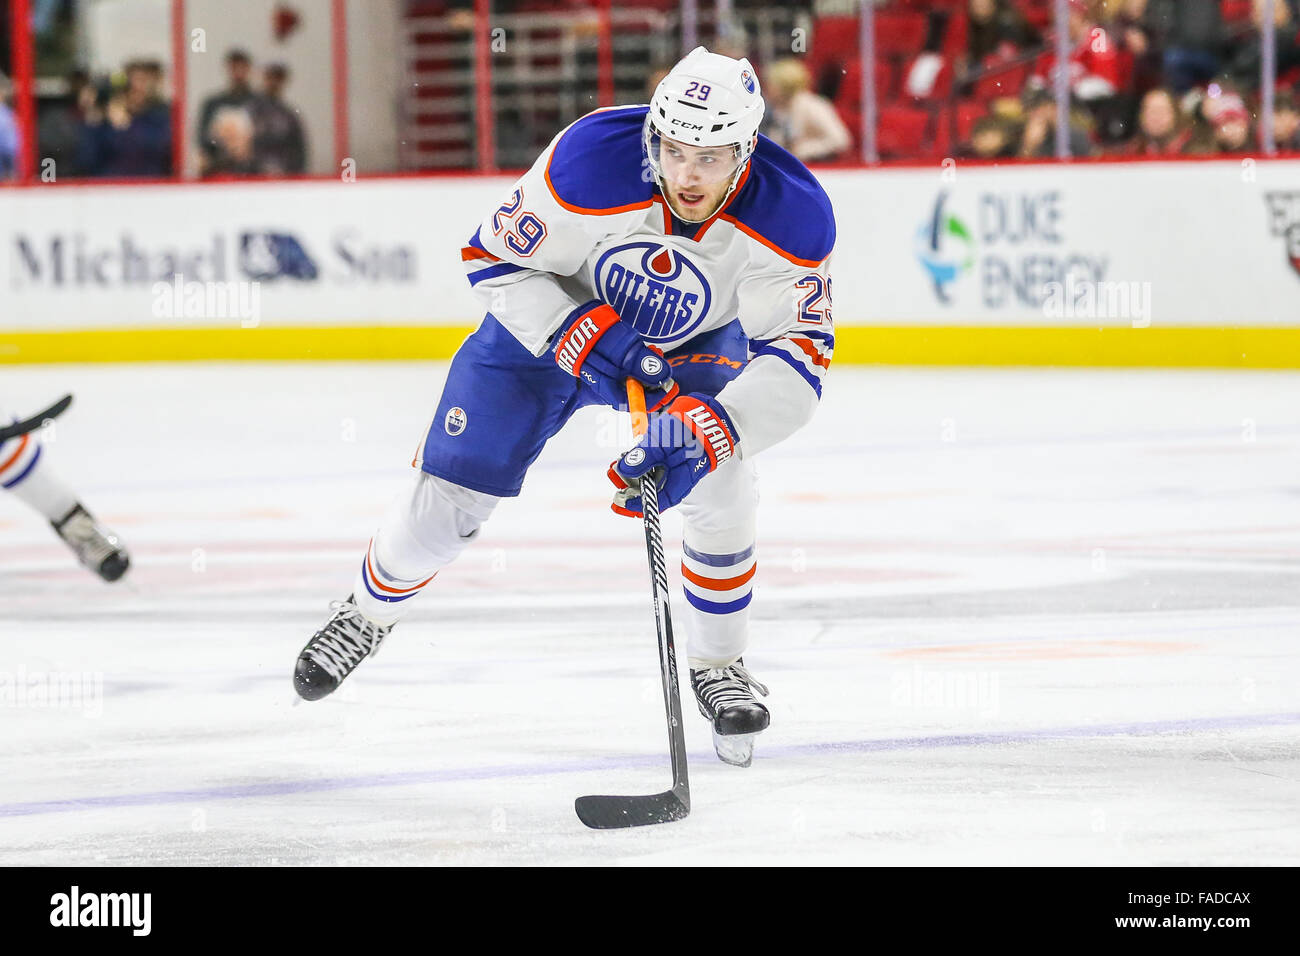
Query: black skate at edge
{"x": 311, "y": 681}
{"x": 114, "y": 566}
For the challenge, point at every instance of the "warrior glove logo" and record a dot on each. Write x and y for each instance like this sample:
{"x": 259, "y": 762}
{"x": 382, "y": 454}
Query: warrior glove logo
{"x": 568, "y": 351}
{"x": 712, "y": 431}
{"x": 652, "y": 367}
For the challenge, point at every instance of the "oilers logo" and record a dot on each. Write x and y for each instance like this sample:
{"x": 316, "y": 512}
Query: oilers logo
{"x": 455, "y": 421}
{"x": 747, "y": 81}
{"x": 655, "y": 288}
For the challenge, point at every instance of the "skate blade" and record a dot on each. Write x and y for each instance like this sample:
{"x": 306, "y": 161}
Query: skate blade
{"x": 737, "y": 750}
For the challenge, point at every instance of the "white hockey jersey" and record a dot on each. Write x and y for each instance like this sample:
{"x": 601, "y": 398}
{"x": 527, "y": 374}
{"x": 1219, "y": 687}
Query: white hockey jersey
{"x": 588, "y": 222}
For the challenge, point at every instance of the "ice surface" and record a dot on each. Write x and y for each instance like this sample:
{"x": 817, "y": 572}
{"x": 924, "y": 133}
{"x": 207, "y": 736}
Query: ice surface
{"x": 1007, "y": 617}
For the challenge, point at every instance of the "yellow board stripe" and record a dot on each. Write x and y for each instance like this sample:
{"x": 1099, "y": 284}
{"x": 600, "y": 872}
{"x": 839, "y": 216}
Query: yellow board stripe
{"x": 886, "y": 345}
{"x": 1154, "y": 347}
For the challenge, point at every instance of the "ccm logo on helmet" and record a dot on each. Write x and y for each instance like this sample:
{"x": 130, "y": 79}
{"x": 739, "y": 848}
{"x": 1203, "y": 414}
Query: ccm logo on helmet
{"x": 707, "y": 425}
{"x": 685, "y": 125}
{"x": 573, "y": 346}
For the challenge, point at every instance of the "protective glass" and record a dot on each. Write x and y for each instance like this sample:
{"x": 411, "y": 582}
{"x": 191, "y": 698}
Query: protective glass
{"x": 680, "y": 163}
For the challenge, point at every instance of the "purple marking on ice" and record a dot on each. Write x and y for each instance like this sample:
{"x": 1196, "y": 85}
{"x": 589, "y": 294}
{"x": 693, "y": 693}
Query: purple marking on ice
{"x": 286, "y": 787}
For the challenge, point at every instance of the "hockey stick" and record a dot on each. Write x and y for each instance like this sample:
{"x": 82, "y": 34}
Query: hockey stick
{"x": 609, "y": 812}
{"x": 36, "y": 421}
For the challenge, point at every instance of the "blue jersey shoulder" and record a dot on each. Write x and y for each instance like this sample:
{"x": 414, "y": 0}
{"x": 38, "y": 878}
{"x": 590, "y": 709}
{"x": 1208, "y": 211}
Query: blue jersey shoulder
{"x": 784, "y": 204}
{"x": 596, "y": 165}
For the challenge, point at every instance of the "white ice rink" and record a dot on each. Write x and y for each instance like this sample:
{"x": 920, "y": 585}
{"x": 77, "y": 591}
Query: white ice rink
{"x": 1007, "y": 617}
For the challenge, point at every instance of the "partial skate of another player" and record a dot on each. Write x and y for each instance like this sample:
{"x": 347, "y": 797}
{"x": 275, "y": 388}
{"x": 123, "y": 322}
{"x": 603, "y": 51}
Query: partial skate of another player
{"x": 25, "y": 473}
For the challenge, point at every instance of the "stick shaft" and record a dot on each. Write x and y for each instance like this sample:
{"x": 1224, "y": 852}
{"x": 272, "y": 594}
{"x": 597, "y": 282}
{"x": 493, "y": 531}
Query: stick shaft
{"x": 636, "y": 405}
{"x": 659, "y": 596}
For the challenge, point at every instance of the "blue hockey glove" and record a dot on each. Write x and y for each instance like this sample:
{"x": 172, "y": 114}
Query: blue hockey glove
{"x": 682, "y": 444}
{"x": 603, "y": 352}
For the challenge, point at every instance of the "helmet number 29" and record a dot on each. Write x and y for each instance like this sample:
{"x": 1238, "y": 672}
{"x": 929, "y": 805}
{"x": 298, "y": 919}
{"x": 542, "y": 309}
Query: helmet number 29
{"x": 697, "y": 90}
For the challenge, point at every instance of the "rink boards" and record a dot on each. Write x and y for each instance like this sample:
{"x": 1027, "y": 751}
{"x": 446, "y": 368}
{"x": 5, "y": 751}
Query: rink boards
{"x": 1139, "y": 264}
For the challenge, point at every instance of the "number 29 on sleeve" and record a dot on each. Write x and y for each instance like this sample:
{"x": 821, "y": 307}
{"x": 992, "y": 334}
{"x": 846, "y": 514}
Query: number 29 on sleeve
{"x": 815, "y": 304}
{"x": 524, "y": 232}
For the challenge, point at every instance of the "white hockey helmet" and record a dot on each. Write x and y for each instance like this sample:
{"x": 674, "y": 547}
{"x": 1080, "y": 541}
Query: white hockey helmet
{"x": 707, "y": 99}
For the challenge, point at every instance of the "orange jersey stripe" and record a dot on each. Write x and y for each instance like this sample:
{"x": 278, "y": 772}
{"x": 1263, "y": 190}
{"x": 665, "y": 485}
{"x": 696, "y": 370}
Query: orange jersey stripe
{"x": 718, "y": 584}
{"x": 17, "y": 451}
{"x": 613, "y": 210}
{"x": 817, "y": 357}
{"x": 811, "y": 264}
{"x": 708, "y": 223}
{"x": 473, "y": 252}
{"x": 668, "y": 216}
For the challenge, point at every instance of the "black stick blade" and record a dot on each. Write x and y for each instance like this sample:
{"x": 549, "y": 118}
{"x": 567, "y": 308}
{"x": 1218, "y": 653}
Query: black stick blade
{"x": 609, "y": 813}
{"x": 18, "y": 429}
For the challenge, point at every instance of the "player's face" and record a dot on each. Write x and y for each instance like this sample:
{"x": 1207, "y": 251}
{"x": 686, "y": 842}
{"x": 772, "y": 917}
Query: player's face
{"x": 695, "y": 177}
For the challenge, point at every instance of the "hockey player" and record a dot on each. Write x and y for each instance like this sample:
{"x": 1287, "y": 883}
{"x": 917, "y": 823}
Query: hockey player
{"x": 671, "y": 244}
{"x": 29, "y": 477}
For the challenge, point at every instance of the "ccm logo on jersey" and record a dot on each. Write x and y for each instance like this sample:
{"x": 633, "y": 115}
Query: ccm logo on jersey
{"x": 710, "y": 429}
{"x": 655, "y": 288}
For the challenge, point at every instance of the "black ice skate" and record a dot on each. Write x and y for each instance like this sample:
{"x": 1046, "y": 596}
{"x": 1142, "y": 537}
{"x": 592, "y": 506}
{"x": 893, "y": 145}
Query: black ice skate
{"x": 334, "y": 652}
{"x": 723, "y": 694}
{"x": 95, "y": 546}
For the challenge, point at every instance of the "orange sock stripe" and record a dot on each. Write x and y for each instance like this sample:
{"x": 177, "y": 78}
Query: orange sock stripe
{"x": 716, "y": 584}
{"x": 383, "y": 587}
{"x": 17, "y": 452}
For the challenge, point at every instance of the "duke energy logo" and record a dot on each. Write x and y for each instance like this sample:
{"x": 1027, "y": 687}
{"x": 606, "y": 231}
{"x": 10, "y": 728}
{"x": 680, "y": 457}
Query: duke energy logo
{"x": 655, "y": 288}
{"x": 945, "y": 248}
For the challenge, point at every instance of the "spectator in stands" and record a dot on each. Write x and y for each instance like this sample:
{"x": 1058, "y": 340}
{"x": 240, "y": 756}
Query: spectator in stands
{"x": 238, "y": 94}
{"x": 996, "y": 29}
{"x": 1128, "y": 22}
{"x": 1244, "y": 67}
{"x": 127, "y": 132}
{"x": 1232, "y": 126}
{"x": 232, "y": 133}
{"x": 800, "y": 120}
{"x": 1286, "y": 123}
{"x": 279, "y": 145}
{"x": 1038, "y": 138}
{"x": 59, "y": 123}
{"x": 1163, "y": 130}
{"x": 1191, "y": 34}
{"x": 8, "y": 132}
{"x": 991, "y": 138}
{"x": 1224, "y": 123}
{"x": 1095, "y": 67}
